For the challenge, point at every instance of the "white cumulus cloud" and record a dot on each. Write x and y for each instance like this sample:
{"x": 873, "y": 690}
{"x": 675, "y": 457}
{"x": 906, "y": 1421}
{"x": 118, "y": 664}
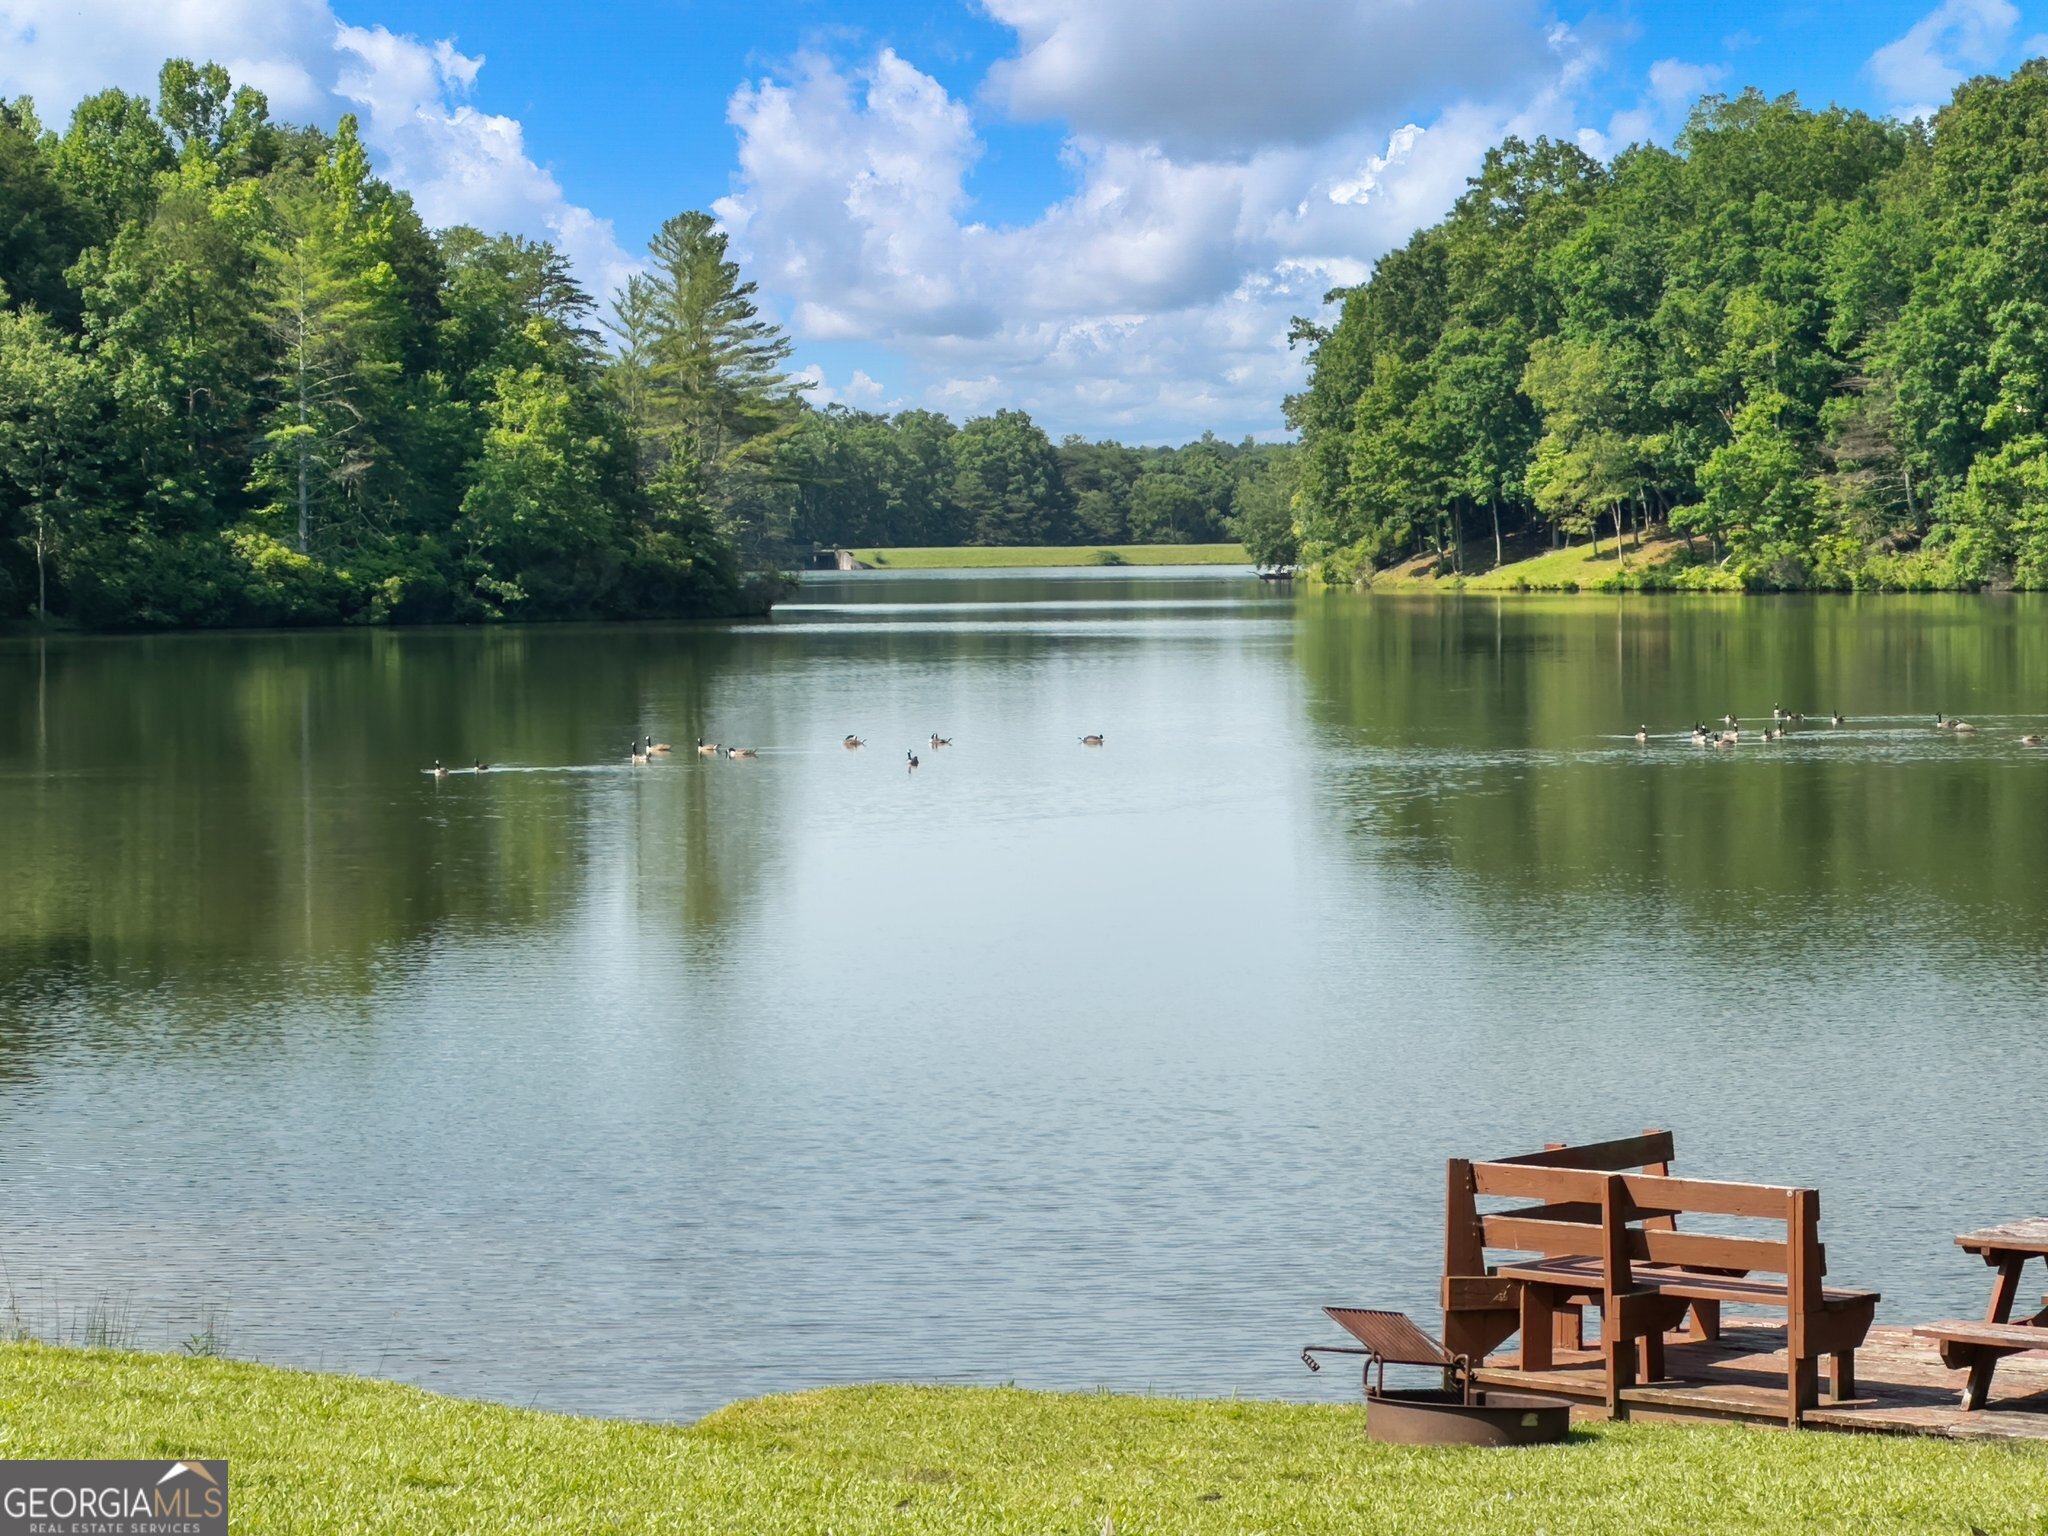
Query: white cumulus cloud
{"x": 1152, "y": 300}
{"x": 1226, "y": 77}
{"x": 1918, "y": 70}
{"x": 461, "y": 165}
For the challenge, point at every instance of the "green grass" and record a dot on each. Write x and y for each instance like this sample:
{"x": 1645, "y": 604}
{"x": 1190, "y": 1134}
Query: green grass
{"x": 1557, "y": 570}
{"x": 314, "y": 1454}
{"x": 991, "y": 556}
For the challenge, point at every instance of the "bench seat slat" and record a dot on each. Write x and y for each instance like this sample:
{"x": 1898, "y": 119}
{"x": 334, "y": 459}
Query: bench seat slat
{"x": 1988, "y": 1335}
{"x": 1692, "y": 1285}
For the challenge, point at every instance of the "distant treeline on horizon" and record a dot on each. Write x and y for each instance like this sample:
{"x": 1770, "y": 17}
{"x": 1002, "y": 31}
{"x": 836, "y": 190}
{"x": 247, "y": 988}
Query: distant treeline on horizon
{"x": 914, "y": 478}
{"x": 1814, "y": 342}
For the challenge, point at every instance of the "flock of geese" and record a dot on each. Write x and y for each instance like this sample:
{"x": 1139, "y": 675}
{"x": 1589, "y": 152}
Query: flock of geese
{"x": 643, "y": 750}
{"x": 1729, "y": 733}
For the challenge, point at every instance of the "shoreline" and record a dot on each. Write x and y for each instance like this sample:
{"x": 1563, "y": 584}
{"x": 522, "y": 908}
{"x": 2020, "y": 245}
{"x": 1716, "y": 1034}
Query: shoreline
{"x": 317, "y": 1453}
{"x": 1019, "y": 557}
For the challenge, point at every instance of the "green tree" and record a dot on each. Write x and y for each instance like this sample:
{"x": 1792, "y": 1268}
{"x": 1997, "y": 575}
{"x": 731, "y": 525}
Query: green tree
{"x": 1263, "y": 516}
{"x": 110, "y": 158}
{"x": 713, "y": 367}
{"x": 42, "y": 229}
{"x": 330, "y": 300}
{"x": 53, "y": 404}
{"x": 535, "y": 531}
{"x": 1007, "y": 482}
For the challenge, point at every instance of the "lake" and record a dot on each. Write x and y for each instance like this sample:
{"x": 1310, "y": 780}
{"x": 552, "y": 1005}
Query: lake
{"x": 637, "y": 1089}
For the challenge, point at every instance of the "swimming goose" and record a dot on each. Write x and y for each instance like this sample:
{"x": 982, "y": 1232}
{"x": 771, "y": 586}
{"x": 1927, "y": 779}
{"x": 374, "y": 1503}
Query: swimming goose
{"x": 483, "y": 767}
{"x": 1642, "y": 733}
{"x": 941, "y": 741}
{"x": 1838, "y": 719}
{"x": 636, "y": 754}
{"x": 1943, "y": 723}
{"x": 1963, "y": 726}
{"x": 2030, "y": 741}
{"x": 440, "y": 772}
{"x": 1730, "y": 720}
{"x": 706, "y": 748}
{"x": 741, "y": 752}
{"x": 658, "y": 748}
{"x": 913, "y": 759}
{"x": 1778, "y": 712}
{"x": 1092, "y": 741}
{"x": 851, "y": 742}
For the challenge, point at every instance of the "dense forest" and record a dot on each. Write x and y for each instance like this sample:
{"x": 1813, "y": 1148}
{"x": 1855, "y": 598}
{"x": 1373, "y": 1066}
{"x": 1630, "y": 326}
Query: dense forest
{"x": 241, "y": 383}
{"x": 914, "y": 478}
{"x": 1813, "y": 344}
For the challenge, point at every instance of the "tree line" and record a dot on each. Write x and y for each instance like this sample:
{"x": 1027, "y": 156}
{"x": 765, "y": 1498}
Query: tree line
{"x": 1809, "y": 342}
{"x": 242, "y": 383}
{"x": 861, "y": 478}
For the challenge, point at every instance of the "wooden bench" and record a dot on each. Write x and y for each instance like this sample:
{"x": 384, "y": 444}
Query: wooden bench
{"x": 1601, "y": 1232}
{"x": 1977, "y": 1347}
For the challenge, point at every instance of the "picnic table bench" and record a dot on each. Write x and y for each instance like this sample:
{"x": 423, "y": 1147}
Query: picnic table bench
{"x": 1605, "y": 1234}
{"x": 1977, "y": 1347}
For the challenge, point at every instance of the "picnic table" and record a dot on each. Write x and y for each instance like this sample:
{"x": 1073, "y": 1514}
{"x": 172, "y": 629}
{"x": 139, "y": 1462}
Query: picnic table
{"x": 1977, "y": 1347}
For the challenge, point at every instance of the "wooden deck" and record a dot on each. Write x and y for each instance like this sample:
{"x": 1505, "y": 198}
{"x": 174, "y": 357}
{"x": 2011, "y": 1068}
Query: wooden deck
{"x": 1902, "y": 1386}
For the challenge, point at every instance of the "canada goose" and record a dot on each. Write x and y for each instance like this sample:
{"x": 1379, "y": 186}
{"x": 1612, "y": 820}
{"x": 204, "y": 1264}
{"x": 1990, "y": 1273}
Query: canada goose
{"x": 1699, "y": 735}
{"x": 851, "y": 742}
{"x": 1730, "y": 721}
{"x": 658, "y": 748}
{"x": 1838, "y": 719}
{"x": 1796, "y": 718}
{"x": 1092, "y": 741}
{"x": 941, "y": 741}
{"x": 1778, "y": 712}
{"x": 2030, "y": 741}
{"x": 1963, "y": 726}
{"x": 706, "y": 748}
{"x": 483, "y": 767}
{"x": 741, "y": 752}
{"x": 1725, "y": 739}
{"x": 636, "y": 754}
{"x": 440, "y": 772}
{"x": 1943, "y": 723}
{"x": 1642, "y": 733}
{"x": 913, "y": 759}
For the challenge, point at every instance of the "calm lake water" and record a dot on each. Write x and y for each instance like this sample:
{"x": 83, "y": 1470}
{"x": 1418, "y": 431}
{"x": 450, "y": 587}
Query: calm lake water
{"x": 637, "y": 1090}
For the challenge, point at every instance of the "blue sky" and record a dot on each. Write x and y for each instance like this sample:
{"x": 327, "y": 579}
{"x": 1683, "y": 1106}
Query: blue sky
{"x": 1103, "y": 211}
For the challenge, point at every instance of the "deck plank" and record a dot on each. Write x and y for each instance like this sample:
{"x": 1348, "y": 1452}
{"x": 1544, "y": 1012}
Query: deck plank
{"x": 1902, "y": 1386}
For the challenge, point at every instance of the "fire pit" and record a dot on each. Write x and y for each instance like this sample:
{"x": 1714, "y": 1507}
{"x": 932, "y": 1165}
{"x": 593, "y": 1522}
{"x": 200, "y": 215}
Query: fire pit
{"x": 1455, "y": 1413}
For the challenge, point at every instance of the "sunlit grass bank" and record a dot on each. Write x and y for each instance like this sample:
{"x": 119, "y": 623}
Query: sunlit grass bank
{"x": 1580, "y": 568}
{"x": 996, "y": 556}
{"x": 315, "y": 1454}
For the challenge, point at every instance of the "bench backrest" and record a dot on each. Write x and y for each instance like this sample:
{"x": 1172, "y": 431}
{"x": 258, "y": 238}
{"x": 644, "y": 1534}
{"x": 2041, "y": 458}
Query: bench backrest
{"x": 1589, "y": 1204}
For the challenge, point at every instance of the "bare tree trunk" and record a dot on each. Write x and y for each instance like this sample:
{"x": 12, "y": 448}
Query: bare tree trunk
{"x": 1499, "y": 556}
{"x": 42, "y": 584}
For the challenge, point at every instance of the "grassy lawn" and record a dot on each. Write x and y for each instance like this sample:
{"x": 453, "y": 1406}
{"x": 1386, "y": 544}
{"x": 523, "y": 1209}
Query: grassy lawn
{"x": 993, "y": 556}
{"x": 1549, "y": 570}
{"x": 316, "y": 1454}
